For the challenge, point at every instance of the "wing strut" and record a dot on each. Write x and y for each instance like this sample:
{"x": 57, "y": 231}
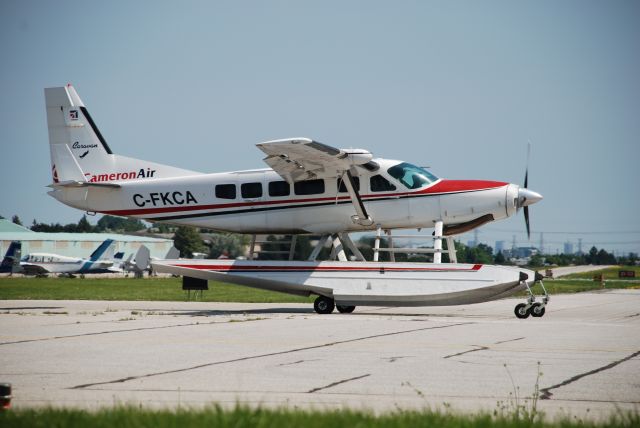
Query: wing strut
{"x": 361, "y": 217}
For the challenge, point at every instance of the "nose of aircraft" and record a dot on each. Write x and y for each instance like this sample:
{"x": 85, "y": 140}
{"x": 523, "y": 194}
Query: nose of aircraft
{"x": 527, "y": 197}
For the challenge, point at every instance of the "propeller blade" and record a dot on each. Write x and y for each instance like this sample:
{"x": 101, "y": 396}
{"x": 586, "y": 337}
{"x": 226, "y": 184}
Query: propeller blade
{"x": 526, "y": 174}
{"x": 526, "y": 186}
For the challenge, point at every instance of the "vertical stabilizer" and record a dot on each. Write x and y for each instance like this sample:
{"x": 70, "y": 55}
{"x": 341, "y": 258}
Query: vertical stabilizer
{"x": 172, "y": 254}
{"x": 11, "y": 260}
{"x": 79, "y": 151}
{"x": 102, "y": 252}
{"x": 143, "y": 256}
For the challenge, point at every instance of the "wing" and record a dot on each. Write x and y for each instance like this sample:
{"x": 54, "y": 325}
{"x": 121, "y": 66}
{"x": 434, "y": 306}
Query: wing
{"x": 32, "y": 269}
{"x": 303, "y": 159}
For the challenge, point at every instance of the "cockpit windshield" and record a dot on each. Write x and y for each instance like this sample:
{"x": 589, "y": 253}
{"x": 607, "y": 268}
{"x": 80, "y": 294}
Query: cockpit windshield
{"x": 413, "y": 177}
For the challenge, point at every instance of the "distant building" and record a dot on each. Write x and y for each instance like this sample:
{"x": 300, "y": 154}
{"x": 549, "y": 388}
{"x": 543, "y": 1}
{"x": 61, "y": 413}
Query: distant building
{"x": 76, "y": 244}
{"x": 568, "y": 248}
{"x": 520, "y": 255}
{"x": 499, "y": 247}
{"x": 520, "y": 252}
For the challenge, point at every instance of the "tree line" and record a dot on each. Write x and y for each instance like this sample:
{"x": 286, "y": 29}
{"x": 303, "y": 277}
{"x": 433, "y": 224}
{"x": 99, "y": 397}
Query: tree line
{"x": 190, "y": 240}
{"x": 106, "y": 223}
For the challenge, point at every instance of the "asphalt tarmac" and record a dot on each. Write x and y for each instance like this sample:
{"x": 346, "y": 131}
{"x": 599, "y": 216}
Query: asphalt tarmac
{"x": 581, "y": 359}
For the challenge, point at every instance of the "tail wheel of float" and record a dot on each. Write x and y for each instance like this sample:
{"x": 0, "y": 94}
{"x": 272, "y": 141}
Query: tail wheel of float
{"x": 324, "y": 305}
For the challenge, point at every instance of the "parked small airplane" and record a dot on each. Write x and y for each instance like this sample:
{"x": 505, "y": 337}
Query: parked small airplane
{"x": 310, "y": 187}
{"x": 100, "y": 261}
{"x": 141, "y": 261}
{"x": 11, "y": 260}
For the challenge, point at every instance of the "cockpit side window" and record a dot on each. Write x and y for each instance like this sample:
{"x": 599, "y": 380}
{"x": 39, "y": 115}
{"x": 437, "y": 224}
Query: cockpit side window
{"x": 380, "y": 184}
{"x": 413, "y": 177}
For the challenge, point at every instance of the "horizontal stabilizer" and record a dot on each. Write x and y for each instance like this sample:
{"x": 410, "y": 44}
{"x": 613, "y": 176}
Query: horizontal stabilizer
{"x": 72, "y": 183}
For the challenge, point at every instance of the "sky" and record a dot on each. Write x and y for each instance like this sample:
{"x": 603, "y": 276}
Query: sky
{"x": 459, "y": 86}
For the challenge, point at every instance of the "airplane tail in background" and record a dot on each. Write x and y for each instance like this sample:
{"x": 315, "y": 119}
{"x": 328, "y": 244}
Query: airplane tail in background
{"x": 79, "y": 151}
{"x": 11, "y": 261}
{"x": 104, "y": 251}
{"x": 142, "y": 259}
{"x": 172, "y": 254}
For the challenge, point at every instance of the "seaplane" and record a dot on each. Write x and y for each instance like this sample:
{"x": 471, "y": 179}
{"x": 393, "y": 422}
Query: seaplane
{"x": 308, "y": 188}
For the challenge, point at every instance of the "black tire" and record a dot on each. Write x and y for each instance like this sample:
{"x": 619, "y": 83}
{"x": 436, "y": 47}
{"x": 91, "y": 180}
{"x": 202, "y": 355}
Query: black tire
{"x": 345, "y": 309}
{"x": 521, "y": 312}
{"x": 537, "y": 310}
{"x": 324, "y": 305}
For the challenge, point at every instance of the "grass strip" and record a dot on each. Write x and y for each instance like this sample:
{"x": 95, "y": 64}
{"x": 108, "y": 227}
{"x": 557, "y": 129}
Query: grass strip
{"x": 131, "y": 289}
{"x": 215, "y": 416}
{"x": 609, "y": 273}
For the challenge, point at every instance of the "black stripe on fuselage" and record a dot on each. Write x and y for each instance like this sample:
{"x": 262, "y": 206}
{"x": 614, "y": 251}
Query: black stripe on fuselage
{"x": 319, "y": 204}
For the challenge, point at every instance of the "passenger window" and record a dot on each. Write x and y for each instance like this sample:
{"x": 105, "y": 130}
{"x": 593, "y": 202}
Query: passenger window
{"x": 380, "y": 184}
{"x": 342, "y": 188}
{"x": 226, "y": 191}
{"x": 279, "y": 188}
{"x": 308, "y": 187}
{"x": 251, "y": 190}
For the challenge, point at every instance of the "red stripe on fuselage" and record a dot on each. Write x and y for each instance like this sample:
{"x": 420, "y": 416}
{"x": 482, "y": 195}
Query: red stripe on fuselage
{"x": 441, "y": 187}
{"x": 453, "y": 186}
{"x": 264, "y": 268}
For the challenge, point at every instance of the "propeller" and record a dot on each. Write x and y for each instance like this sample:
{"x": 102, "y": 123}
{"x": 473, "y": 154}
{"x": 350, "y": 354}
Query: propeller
{"x": 526, "y": 185}
{"x": 527, "y": 197}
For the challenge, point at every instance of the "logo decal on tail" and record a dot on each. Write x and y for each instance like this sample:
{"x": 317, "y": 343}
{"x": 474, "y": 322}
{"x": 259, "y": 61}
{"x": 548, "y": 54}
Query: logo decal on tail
{"x": 77, "y": 145}
{"x": 55, "y": 174}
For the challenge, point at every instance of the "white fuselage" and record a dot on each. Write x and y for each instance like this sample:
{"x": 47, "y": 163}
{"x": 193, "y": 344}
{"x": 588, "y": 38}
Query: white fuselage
{"x": 248, "y": 202}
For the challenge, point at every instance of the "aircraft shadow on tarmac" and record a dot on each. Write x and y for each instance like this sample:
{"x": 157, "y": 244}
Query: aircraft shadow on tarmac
{"x": 16, "y": 308}
{"x": 293, "y": 311}
{"x": 213, "y": 312}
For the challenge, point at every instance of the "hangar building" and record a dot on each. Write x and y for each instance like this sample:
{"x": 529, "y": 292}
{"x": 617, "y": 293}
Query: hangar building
{"x": 75, "y": 244}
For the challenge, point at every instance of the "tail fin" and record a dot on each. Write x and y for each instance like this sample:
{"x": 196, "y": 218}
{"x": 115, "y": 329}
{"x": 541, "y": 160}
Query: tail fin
{"x": 11, "y": 261}
{"x": 79, "y": 151}
{"x": 172, "y": 254}
{"x": 102, "y": 251}
{"x": 143, "y": 256}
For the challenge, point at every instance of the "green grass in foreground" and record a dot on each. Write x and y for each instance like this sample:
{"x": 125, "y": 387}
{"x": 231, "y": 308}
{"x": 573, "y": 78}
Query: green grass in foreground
{"x": 166, "y": 289}
{"x": 125, "y": 417}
